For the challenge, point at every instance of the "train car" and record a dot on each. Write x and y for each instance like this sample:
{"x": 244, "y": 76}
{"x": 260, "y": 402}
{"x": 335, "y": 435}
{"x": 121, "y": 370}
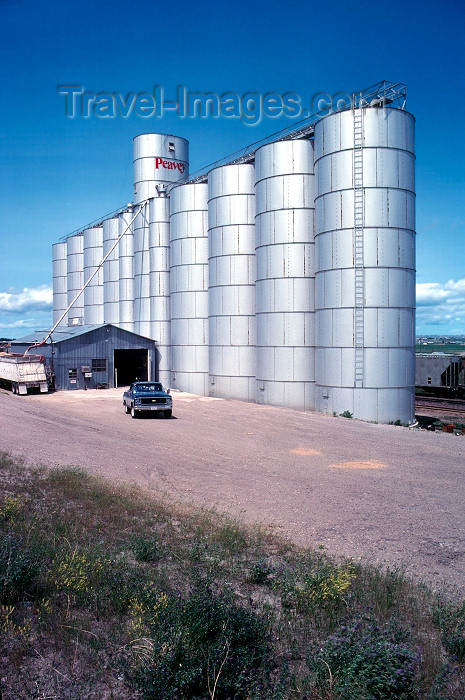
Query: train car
{"x": 440, "y": 374}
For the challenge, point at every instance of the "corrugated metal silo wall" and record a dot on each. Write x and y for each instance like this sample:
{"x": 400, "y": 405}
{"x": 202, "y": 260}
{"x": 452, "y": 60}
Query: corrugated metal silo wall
{"x": 142, "y": 318}
{"x": 285, "y": 195}
{"x": 232, "y": 319}
{"x": 159, "y": 253}
{"x": 126, "y": 270}
{"x": 189, "y": 288}
{"x": 159, "y": 159}
{"x": 93, "y": 293}
{"x": 60, "y": 282}
{"x": 75, "y": 267}
{"x": 111, "y": 271}
{"x": 365, "y": 280}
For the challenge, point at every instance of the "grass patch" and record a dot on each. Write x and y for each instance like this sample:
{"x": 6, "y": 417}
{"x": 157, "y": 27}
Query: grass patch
{"x": 107, "y": 592}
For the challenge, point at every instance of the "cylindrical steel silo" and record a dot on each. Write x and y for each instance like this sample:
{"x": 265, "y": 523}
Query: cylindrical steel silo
{"x": 60, "y": 282}
{"x": 142, "y": 317}
{"x": 93, "y": 293}
{"x": 365, "y": 249}
{"x": 111, "y": 271}
{"x": 285, "y": 250}
{"x": 231, "y": 297}
{"x": 126, "y": 270}
{"x": 159, "y": 250}
{"x": 189, "y": 288}
{"x": 159, "y": 160}
{"x": 75, "y": 267}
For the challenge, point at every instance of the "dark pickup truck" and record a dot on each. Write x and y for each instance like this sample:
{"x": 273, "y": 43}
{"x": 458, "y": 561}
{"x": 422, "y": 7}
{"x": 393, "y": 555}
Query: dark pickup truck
{"x": 147, "y": 396}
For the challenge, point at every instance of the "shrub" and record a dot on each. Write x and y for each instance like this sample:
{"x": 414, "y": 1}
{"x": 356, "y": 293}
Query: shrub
{"x": 451, "y": 621}
{"x": 11, "y": 507}
{"x": 231, "y": 537}
{"x": 326, "y": 585}
{"x": 146, "y": 549}
{"x": 19, "y": 569}
{"x": 201, "y": 647}
{"x": 315, "y": 584}
{"x": 260, "y": 573}
{"x": 363, "y": 662}
{"x": 76, "y": 571}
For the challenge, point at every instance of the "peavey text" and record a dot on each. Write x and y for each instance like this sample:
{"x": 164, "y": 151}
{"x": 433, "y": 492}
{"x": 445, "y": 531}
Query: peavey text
{"x": 169, "y": 165}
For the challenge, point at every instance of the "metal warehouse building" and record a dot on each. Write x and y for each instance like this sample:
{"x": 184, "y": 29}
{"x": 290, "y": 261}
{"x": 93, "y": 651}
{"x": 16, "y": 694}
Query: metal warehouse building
{"x": 284, "y": 276}
{"x": 91, "y": 357}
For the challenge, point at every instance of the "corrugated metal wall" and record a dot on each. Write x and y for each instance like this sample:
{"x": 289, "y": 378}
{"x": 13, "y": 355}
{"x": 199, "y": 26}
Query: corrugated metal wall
{"x": 231, "y": 285}
{"x": 365, "y": 279}
{"x": 99, "y": 344}
{"x": 189, "y": 288}
{"x": 285, "y": 194}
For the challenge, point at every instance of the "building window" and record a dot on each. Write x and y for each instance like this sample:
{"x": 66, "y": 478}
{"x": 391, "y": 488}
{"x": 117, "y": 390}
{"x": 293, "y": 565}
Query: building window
{"x": 72, "y": 373}
{"x": 429, "y": 380}
{"x": 99, "y": 365}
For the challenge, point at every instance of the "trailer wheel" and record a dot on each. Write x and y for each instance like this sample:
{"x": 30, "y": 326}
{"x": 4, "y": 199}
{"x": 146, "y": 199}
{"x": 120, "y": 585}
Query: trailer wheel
{"x": 13, "y": 387}
{"x": 133, "y": 412}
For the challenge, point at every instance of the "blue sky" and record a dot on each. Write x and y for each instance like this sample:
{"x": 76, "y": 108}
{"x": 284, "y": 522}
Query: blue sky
{"x": 59, "y": 173}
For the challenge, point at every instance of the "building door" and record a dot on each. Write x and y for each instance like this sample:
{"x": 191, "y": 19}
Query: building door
{"x": 130, "y": 365}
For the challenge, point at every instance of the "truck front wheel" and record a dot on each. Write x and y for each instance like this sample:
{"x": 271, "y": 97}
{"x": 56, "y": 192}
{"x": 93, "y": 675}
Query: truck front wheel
{"x": 133, "y": 412}
{"x": 127, "y": 409}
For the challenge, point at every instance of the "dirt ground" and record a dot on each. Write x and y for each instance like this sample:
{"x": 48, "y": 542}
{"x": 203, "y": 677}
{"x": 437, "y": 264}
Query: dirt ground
{"x": 380, "y": 493}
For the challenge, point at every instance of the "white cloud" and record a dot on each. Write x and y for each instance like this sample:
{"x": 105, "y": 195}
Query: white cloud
{"x": 456, "y": 287}
{"x": 441, "y": 305}
{"x": 431, "y": 293}
{"x": 27, "y": 300}
{"x": 23, "y": 323}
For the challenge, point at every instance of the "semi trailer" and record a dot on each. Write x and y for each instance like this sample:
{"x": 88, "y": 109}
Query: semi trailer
{"x": 23, "y": 372}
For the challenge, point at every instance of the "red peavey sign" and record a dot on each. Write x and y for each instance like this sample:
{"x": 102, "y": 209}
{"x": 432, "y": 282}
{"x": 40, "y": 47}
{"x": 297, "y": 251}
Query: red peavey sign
{"x": 169, "y": 165}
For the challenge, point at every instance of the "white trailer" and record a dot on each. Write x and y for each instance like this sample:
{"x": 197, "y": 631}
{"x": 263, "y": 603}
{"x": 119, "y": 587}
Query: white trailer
{"x": 23, "y": 372}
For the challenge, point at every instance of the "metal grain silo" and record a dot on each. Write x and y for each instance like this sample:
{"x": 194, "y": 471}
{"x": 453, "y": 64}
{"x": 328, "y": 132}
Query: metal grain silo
{"x": 110, "y": 271}
{"x": 142, "y": 317}
{"x": 159, "y": 253}
{"x": 285, "y": 250}
{"x": 159, "y": 160}
{"x": 365, "y": 280}
{"x": 75, "y": 267}
{"x": 60, "y": 282}
{"x": 189, "y": 288}
{"x": 232, "y": 320}
{"x": 93, "y": 293}
{"x": 126, "y": 270}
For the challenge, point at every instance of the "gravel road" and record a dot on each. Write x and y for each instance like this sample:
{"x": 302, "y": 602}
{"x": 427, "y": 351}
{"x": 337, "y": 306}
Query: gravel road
{"x": 374, "y": 492}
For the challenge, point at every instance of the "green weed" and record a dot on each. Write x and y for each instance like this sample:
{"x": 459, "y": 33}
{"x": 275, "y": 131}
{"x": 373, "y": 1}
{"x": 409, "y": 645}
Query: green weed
{"x": 451, "y": 621}
{"x": 362, "y": 661}
{"x": 203, "y": 646}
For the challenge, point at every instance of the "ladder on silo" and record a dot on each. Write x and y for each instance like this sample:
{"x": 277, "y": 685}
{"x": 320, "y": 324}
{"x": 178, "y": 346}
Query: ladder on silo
{"x": 359, "y": 332}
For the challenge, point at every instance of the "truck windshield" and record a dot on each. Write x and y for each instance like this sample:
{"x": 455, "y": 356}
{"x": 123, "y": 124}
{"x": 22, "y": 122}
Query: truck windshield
{"x": 154, "y": 386}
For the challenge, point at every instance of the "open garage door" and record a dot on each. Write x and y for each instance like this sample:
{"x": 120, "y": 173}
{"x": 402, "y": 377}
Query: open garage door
{"x": 130, "y": 365}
